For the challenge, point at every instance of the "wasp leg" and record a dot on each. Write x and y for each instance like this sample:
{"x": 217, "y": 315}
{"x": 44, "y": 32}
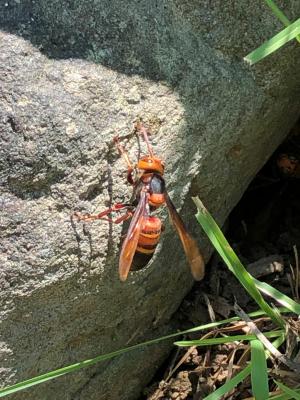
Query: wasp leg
{"x": 103, "y": 214}
{"x": 123, "y": 153}
{"x": 124, "y": 217}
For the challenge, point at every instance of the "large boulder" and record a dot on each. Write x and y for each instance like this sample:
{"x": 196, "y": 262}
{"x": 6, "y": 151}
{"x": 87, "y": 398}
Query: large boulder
{"x": 84, "y": 71}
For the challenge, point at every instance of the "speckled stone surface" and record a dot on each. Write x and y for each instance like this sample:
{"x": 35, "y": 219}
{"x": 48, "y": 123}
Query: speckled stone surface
{"x": 72, "y": 75}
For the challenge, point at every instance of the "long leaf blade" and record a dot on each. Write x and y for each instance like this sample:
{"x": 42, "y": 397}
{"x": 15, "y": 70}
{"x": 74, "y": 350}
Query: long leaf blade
{"x": 274, "y": 43}
{"x": 284, "y": 396}
{"x": 281, "y": 298}
{"x": 74, "y": 367}
{"x": 259, "y": 373}
{"x": 238, "y": 378}
{"x": 220, "y": 243}
{"x": 287, "y": 390}
{"x": 226, "y": 339}
{"x": 280, "y": 15}
{"x": 231, "y": 384}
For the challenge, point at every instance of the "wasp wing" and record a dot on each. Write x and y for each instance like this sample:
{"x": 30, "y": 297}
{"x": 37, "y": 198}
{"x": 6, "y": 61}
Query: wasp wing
{"x": 131, "y": 241}
{"x": 190, "y": 246}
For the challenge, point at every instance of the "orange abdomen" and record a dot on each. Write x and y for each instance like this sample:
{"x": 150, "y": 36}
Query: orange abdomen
{"x": 149, "y": 237}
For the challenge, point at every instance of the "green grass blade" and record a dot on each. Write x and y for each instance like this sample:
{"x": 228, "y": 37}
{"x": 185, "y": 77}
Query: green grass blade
{"x": 220, "y": 243}
{"x": 74, "y": 367}
{"x": 281, "y": 298}
{"x": 274, "y": 43}
{"x": 231, "y": 384}
{"x": 226, "y": 339}
{"x": 280, "y": 15}
{"x": 287, "y": 390}
{"x": 238, "y": 378}
{"x": 284, "y": 396}
{"x": 61, "y": 371}
{"x": 259, "y": 372}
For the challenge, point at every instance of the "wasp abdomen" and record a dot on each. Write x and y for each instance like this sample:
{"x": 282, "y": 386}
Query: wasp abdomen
{"x": 149, "y": 236}
{"x": 148, "y": 240}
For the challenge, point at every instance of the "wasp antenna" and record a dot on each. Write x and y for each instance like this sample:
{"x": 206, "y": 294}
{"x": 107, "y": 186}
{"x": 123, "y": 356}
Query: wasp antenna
{"x": 139, "y": 126}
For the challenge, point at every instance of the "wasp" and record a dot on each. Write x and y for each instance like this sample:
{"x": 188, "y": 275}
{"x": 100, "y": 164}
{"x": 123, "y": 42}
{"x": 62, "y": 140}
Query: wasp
{"x": 149, "y": 193}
